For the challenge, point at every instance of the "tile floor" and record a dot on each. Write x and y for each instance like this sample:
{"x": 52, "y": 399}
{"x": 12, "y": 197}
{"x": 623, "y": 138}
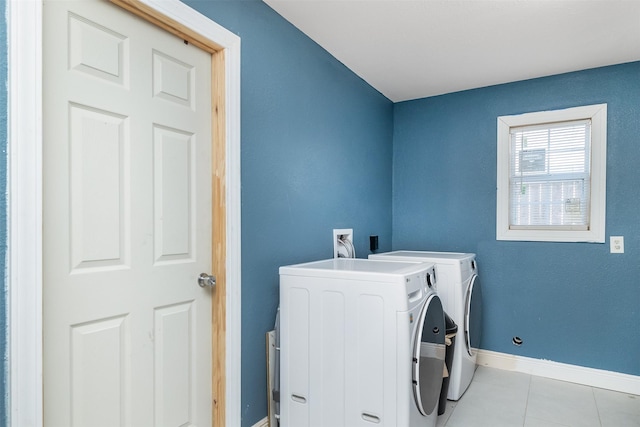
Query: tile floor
{"x": 498, "y": 398}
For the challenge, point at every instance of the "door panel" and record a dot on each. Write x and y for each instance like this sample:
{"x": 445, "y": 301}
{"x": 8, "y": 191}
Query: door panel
{"x": 173, "y": 374}
{"x": 127, "y": 221}
{"x": 174, "y": 195}
{"x": 98, "y": 51}
{"x": 98, "y": 150}
{"x": 100, "y": 372}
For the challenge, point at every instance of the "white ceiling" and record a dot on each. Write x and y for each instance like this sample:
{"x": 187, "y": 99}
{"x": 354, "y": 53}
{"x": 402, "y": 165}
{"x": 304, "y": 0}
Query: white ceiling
{"x": 409, "y": 49}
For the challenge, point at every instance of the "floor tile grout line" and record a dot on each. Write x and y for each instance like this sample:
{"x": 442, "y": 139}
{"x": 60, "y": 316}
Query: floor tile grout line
{"x": 526, "y": 403}
{"x": 453, "y": 408}
{"x": 595, "y": 402}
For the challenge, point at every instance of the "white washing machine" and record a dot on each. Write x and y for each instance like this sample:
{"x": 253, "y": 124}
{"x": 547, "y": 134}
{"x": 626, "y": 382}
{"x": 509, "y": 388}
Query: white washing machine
{"x": 461, "y": 294}
{"x": 361, "y": 344}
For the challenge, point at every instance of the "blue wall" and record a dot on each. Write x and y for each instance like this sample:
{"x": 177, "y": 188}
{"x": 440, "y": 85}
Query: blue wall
{"x": 316, "y": 155}
{"x": 570, "y": 302}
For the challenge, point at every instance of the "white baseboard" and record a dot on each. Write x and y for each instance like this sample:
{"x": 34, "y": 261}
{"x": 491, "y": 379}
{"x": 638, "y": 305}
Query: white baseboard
{"x": 262, "y": 423}
{"x": 561, "y": 371}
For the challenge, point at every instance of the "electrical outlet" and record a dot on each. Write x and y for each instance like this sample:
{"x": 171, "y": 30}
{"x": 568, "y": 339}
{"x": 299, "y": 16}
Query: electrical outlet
{"x": 343, "y": 243}
{"x": 616, "y": 244}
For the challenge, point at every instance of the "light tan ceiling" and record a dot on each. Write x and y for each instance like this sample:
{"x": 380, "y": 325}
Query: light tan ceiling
{"x": 409, "y": 49}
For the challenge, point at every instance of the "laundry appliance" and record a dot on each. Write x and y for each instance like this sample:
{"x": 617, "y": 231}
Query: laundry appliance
{"x": 461, "y": 294}
{"x": 362, "y": 343}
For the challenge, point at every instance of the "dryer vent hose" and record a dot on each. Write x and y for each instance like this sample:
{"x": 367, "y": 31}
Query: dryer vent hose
{"x": 344, "y": 243}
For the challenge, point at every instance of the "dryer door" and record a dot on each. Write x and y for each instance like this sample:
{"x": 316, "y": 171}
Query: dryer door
{"x": 473, "y": 315}
{"x": 428, "y": 356}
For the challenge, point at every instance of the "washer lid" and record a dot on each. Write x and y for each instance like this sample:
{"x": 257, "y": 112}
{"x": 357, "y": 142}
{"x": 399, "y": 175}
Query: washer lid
{"x": 428, "y": 356}
{"x": 357, "y": 269}
{"x": 425, "y": 256}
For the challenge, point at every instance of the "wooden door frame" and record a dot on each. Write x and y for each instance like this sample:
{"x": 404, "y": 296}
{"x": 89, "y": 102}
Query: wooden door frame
{"x": 24, "y": 261}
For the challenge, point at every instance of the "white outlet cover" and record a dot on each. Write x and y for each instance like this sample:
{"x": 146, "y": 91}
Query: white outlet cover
{"x": 616, "y": 244}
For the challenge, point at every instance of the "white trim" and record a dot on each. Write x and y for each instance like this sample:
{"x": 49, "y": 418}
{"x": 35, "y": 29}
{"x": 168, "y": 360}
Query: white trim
{"x": 598, "y": 115}
{"x": 610, "y": 380}
{"x": 24, "y": 265}
{"x": 262, "y": 423}
{"x": 25, "y": 204}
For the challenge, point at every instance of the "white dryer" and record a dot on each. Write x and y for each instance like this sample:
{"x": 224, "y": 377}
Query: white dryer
{"x": 361, "y": 344}
{"x": 461, "y": 294}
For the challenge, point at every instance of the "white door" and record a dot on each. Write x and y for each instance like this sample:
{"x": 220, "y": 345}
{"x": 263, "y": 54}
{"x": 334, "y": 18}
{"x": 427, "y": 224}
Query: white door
{"x": 127, "y": 221}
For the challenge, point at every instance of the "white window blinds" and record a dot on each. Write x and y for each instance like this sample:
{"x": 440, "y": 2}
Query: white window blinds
{"x": 550, "y": 176}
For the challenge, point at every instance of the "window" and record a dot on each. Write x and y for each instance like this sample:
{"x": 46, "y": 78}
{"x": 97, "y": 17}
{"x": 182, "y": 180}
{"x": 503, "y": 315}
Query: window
{"x": 552, "y": 175}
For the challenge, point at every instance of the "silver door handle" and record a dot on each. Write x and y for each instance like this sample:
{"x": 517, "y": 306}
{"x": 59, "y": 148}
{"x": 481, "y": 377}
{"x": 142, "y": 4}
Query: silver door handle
{"x": 206, "y": 280}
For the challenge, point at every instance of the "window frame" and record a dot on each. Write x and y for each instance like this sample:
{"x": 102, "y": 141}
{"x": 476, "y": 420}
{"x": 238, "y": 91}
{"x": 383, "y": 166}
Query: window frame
{"x": 595, "y": 233}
